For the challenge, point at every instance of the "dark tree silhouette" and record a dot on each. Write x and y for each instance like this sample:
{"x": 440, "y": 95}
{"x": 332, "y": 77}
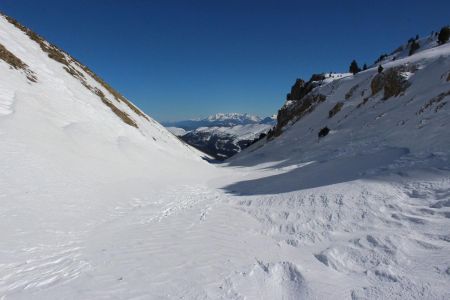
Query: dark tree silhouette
{"x": 354, "y": 68}
{"x": 413, "y": 47}
{"x": 444, "y": 35}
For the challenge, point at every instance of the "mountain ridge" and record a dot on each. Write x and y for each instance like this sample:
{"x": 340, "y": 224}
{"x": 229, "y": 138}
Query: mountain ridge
{"x": 419, "y": 80}
{"x": 218, "y": 120}
{"x": 223, "y": 134}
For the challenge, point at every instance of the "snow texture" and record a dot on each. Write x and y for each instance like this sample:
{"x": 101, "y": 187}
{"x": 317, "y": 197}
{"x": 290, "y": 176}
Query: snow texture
{"x": 92, "y": 208}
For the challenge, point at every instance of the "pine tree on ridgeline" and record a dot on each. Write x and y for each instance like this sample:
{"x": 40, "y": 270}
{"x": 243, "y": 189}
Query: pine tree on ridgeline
{"x": 354, "y": 68}
{"x": 444, "y": 35}
{"x": 380, "y": 69}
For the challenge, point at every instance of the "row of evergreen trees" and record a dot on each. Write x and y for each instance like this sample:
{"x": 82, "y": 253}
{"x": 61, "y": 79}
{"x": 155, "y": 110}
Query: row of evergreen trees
{"x": 443, "y": 37}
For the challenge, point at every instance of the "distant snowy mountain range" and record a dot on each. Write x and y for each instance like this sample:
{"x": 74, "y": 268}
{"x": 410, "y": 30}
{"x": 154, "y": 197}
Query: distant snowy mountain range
{"x": 224, "y": 134}
{"x": 220, "y": 120}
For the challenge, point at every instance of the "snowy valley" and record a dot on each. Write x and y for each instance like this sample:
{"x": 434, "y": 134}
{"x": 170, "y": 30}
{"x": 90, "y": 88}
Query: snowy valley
{"x": 99, "y": 201}
{"x": 222, "y": 135}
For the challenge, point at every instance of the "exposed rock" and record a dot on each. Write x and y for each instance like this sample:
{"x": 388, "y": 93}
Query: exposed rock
{"x": 350, "y": 92}
{"x": 394, "y": 84}
{"x": 335, "y": 109}
{"x": 296, "y": 90}
{"x": 392, "y": 81}
{"x": 324, "y": 132}
{"x": 300, "y": 101}
{"x": 363, "y": 102}
{"x": 377, "y": 83}
{"x": 295, "y": 110}
{"x": 435, "y": 100}
{"x": 301, "y": 88}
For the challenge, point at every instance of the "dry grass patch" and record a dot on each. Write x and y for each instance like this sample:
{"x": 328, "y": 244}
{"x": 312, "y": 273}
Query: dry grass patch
{"x": 337, "y": 108}
{"x": 16, "y": 63}
{"x": 122, "y": 115}
{"x": 60, "y": 56}
{"x": 351, "y": 92}
{"x": 435, "y": 101}
{"x": 363, "y": 102}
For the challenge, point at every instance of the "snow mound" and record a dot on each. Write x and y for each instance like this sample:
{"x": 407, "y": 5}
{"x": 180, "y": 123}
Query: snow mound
{"x": 280, "y": 280}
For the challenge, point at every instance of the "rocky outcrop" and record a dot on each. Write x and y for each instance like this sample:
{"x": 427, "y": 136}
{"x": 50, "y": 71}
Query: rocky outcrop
{"x": 350, "y": 93}
{"x": 300, "y": 101}
{"x": 301, "y": 88}
{"x": 436, "y": 101}
{"x": 295, "y": 110}
{"x": 391, "y": 81}
{"x": 335, "y": 109}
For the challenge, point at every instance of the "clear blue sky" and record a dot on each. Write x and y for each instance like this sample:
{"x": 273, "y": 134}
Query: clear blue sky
{"x": 183, "y": 59}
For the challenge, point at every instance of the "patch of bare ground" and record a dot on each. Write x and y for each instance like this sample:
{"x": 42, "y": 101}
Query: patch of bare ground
{"x": 16, "y": 63}
{"x": 437, "y": 100}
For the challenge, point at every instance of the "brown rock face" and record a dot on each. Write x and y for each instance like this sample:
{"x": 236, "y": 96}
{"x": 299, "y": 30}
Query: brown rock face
{"x": 377, "y": 83}
{"x": 301, "y": 88}
{"x": 296, "y": 90}
{"x": 296, "y": 111}
{"x": 337, "y": 108}
{"x": 302, "y": 100}
{"x": 391, "y": 82}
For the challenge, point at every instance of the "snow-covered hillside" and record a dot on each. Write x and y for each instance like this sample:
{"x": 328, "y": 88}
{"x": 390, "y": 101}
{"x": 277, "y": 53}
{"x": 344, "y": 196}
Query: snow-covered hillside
{"x": 406, "y": 105}
{"x": 74, "y": 154}
{"x": 369, "y": 202}
{"x": 98, "y": 201}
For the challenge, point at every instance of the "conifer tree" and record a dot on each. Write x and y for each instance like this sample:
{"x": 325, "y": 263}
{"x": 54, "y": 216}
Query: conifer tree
{"x": 444, "y": 35}
{"x": 354, "y": 68}
{"x": 380, "y": 69}
{"x": 413, "y": 47}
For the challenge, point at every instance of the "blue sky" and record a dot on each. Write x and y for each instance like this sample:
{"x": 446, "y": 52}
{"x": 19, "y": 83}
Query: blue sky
{"x": 184, "y": 59}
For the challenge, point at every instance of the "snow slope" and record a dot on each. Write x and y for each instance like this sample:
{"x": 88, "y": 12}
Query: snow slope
{"x": 100, "y": 202}
{"x": 369, "y": 201}
{"x": 69, "y": 165}
{"x": 177, "y": 131}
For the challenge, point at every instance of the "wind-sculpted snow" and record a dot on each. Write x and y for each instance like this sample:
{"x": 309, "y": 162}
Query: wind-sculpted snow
{"x": 280, "y": 280}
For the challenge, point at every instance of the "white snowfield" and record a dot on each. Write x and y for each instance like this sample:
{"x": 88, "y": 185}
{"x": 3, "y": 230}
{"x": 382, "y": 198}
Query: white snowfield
{"x": 176, "y": 131}
{"x": 93, "y": 208}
